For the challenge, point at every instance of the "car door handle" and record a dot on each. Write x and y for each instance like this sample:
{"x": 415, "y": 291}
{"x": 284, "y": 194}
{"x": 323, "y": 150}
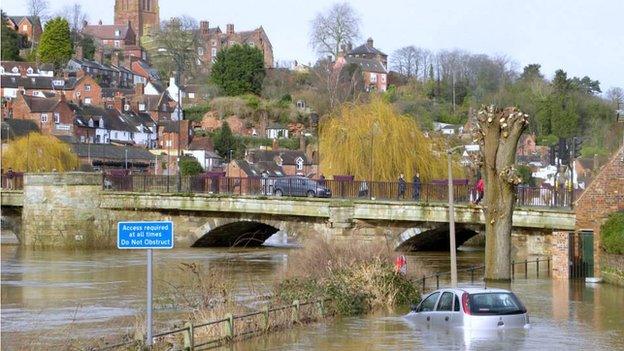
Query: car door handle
{"x": 446, "y": 318}
{"x": 428, "y": 318}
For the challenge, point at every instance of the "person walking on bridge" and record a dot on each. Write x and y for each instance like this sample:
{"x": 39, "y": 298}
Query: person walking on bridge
{"x": 480, "y": 187}
{"x": 402, "y": 186}
{"x": 416, "y": 187}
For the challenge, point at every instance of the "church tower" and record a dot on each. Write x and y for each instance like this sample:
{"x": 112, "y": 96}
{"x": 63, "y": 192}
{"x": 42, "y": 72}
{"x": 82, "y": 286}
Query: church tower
{"x": 143, "y": 15}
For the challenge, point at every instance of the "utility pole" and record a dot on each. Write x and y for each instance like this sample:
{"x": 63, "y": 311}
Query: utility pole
{"x": 179, "y": 177}
{"x": 453, "y": 91}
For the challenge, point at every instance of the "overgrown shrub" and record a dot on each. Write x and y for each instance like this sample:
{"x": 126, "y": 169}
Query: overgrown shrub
{"x": 357, "y": 277}
{"x": 612, "y": 232}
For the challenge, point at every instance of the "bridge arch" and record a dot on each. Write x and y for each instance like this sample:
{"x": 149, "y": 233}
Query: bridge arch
{"x": 239, "y": 233}
{"x": 434, "y": 239}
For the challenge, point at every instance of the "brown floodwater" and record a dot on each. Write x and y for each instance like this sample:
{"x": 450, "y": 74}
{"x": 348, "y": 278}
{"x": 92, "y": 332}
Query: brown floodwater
{"x": 49, "y": 296}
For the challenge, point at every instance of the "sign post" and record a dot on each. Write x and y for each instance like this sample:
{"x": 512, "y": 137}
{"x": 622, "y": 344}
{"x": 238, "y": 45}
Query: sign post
{"x": 147, "y": 236}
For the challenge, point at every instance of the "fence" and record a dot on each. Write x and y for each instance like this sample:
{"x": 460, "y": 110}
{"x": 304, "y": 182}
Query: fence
{"x": 519, "y": 269}
{"x": 294, "y": 186}
{"x": 219, "y": 332}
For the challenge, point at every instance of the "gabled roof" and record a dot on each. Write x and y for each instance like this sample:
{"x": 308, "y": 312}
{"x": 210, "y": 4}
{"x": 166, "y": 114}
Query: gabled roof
{"x": 18, "y": 19}
{"x": 201, "y": 143}
{"x": 365, "y": 49}
{"x": 15, "y": 128}
{"x": 367, "y": 65}
{"x": 110, "y": 92}
{"x": 288, "y": 157}
{"x": 40, "y": 104}
{"x": 107, "y": 32}
{"x": 46, "y": 83}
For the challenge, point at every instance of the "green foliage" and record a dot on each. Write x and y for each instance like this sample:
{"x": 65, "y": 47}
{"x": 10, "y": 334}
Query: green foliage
{"x": 10, "y": 40}
{"x": 527, "y": 175}
{"x": 196, "y": 112}
{"x": 39, "y": 153}
{"x": 189, "y": 166}
{"x": 56, "y": 46}
{"x": 224, "y": 141}
{"x": 88, "y": 47}
{"x": 612, "y": 232}
{"x": 239, "y": 70}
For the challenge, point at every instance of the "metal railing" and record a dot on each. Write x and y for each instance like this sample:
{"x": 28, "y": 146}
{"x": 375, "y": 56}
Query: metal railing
{"x": 476, "y": 273}
{"x": 215, "y": 333}
{"x": 293, "y": 186}
{"x": 12, "y": 182}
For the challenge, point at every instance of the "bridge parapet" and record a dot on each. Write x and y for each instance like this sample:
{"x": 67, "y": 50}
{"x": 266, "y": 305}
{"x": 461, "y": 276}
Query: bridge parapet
{"x": 14, "y": 198}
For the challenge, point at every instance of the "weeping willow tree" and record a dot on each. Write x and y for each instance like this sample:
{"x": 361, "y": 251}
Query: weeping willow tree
{"x": 372, "y": 141}
{"x": 39, "y": 153}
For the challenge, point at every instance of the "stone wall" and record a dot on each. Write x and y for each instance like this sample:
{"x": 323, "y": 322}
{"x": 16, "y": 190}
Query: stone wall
{"x": 604, "y": 196}
{"x": 613, "y": 268}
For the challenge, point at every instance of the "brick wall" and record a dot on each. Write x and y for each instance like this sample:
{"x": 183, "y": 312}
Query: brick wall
{"x": 604, "y": 195}
{"x": 560, "y": 267}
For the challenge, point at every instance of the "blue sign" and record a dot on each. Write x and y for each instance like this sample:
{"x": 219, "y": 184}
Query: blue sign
{"x": 145, "y": 235}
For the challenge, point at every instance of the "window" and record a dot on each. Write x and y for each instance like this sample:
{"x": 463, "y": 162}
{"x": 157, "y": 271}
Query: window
{"x": 87, "y": 87}
{"x": 252, "y": 44}
{"x": 116, "y": 43}
{"x": 299, "y": 162}
{"x": 29, "y": 70}
{"x": 446, "y": 302}
{"x": 168, "y": 143}
{"x": 101, "y": 123}
{"x": 163, "y": 108}
{"x": 495, "y": 304}
{"x": 373, "y": 77}
{"x": 57, "y": 117}
{"x": 429, "y": 303}
{"x": 456, "y": 308}
{"x": 141, "y": 107}
{"x": 200, "y": 51}
{"x": 191, "y": 95}
{"x": 87, "y": 101}
{"x": 383, "y": 78}
{"x": 15, "y": 70}
{"x": 44, "y": 118}
{"x": 213, "y": 52}
{"x": 90, "y": 122}
{"x": 117, "y": 33}
{"x": 115, "y": 135}
{"x": 25, "y": 28}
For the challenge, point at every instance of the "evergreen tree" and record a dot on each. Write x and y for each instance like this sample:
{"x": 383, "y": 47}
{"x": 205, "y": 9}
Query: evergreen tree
{"x": 10, "y": 42}
{"x": 239, "y": 70}
{"x": 224, "y": 141}
{"x": 88, "y": 47}
{"x": 189, "y": 166}
{"x": 55, "y": 45}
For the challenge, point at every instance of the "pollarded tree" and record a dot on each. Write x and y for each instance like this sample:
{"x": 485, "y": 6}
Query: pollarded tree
{"x": 39, "y": 153}
{"x": 55, "y": 45}
{"x": 498, "y": 132}
{"x": 239, "y": 70}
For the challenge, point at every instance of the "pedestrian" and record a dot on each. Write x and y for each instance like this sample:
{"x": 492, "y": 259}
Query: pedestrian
{"x": 11, "y": 177}
{"x": 402, "y": 186}
{"x": 363, "y": 190}
{"x": 480, "y": 187}
{"x": 400, "y": 265}
{"x": 416, "y": 187}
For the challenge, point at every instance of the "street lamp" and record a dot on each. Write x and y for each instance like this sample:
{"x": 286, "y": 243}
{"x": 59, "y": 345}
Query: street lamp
{"x": 449, "y": 154}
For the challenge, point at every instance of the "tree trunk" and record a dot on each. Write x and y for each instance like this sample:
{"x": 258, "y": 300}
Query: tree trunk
{"x": 498, "y": 132}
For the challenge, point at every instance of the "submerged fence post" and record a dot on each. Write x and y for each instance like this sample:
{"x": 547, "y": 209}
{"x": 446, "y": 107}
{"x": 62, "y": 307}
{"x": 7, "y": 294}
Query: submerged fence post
{"x": 189, "y": 338}
{"x": 472, "y": 275}
{"x": 537, "y": 267}
{"x": 229, "y": 326}
{"x": 548, "y": 265}
{"x": 265, "y": 315}
{"x": 513, "y": 269}
{"x": 437, "y": 281}
{"x": 295, "y": 312}
{"x": 319, "y": 305}
{"x": 423, "y": 282}
{"x": 526, "y": 269}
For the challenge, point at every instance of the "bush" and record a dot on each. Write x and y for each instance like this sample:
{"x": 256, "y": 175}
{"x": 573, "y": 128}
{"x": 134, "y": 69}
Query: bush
{"x": 189, "y": 166}
{"x": 357, "y": 277}
{"x": 197, "y": 112}
{"x": 612, "y": 232}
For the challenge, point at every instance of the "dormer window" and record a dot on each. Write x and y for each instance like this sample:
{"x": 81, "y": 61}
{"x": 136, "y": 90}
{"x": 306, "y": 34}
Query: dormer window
{"x": 15, "y": 70}
{"x": 91, "y": 122}
{"x": 101, "y": 123}
{"x": 299, "y": 162}
{"x": 141, "y": 107}
{"x": 29, "y": 70}
{"x": 117, "y": 33}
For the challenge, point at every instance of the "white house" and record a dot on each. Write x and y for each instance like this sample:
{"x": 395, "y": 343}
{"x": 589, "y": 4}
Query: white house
{"x": 276, "y": 131}
{"x": 209, "y": 160}
{"x": 173, "y": 90}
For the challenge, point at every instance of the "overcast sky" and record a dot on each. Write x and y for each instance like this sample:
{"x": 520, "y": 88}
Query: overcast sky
{"x": 582, "y": 37}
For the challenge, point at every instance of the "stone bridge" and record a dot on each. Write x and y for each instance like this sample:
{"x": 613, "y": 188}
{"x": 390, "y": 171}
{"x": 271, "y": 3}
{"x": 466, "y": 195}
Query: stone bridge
{"x": 71, "y": 209}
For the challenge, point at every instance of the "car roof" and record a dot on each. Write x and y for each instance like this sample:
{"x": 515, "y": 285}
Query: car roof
{"x": 473, "y": 290}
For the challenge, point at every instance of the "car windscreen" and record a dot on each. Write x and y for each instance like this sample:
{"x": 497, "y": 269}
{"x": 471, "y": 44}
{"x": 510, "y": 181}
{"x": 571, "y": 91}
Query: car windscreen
{"x": 495, "y": 304}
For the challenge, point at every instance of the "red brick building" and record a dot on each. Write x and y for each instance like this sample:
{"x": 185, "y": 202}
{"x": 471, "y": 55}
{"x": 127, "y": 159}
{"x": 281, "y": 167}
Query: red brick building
{"x": 602, "y": 197}
{"x": 28, "y": 26}
{"x": 117, "y": 36}
{"x": 372, "y": 62}
{"x": 214, "y": 40}
{"x": 168, "y": 134}
{"x": 51, "y": 115}
{"x": 140, "y": 15}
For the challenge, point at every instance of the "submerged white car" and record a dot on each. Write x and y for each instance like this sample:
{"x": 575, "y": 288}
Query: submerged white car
{"x": 471, "y": 308}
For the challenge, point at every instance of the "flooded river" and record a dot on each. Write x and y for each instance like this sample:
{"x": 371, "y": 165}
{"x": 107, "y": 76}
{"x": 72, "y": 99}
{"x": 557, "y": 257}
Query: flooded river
{"x": 49, "y": 296}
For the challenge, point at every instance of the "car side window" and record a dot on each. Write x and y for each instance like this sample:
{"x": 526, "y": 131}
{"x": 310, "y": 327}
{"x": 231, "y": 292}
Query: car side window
{"x": 446, "y": 302}
{"x": 429, "y": 303}
{"x": 456, "y": 309}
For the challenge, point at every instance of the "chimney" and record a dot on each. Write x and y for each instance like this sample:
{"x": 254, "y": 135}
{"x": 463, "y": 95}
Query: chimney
{"x": 78, "y": 53}
{"x": 369, "y": 42}
{"x": 98, "y": 56}
{"x": 138, "y": 89}
{"x": 99, "y": 22}
{"x": 115, "y": 58}
{"x": 203, "y": 27}
{"x": 119, "y": 102}
{"x": 63, "y": 99}
{"x": 229, "y": 28}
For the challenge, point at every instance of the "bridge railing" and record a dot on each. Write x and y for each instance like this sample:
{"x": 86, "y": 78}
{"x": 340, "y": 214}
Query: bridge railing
{"x": 12, "y": 182}
{"x": 357, "y": 189}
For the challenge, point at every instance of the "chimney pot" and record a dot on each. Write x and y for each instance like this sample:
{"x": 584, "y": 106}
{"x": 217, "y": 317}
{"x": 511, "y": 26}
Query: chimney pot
{"x": 230, "y": 28}
{"x": 138, "y": 89}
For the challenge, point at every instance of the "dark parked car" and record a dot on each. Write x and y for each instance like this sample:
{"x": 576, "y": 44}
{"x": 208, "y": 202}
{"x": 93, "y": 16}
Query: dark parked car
{"x": 299, "y": 186}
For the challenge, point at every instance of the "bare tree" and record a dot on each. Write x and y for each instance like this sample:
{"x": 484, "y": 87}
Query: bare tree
{"x": 498, "y": 131}
{"x": 38, "y": 8}
{"x": 616, "y": 97}
{"x": 340, "y": 25}
{"x": 76, "y": 17}
{"x": 337, "y": 84}
{"x": 407, "y": 61}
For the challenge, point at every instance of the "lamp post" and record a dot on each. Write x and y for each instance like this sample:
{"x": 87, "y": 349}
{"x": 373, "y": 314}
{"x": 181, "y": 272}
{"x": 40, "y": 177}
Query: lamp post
{"x": 449, "y": 154}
